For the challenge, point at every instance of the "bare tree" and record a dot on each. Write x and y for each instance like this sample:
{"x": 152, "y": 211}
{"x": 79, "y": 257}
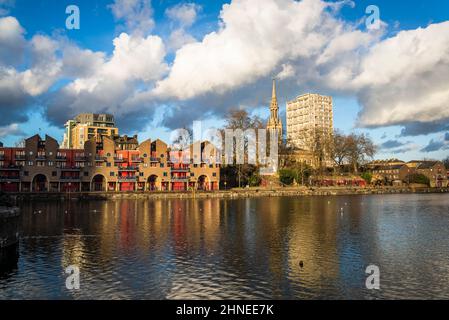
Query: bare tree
{"x": 240, "y": 119}
{"x": 360, "y": 147}
{"x": 446, "y": 163}
{"x": 339, "y": 149}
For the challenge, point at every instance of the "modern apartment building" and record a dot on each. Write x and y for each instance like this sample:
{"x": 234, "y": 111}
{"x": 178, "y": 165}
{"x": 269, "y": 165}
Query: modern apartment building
{"x": 309, "y": 117}
{"x": 88, "y": 125}
{"x": 41, "y": 166}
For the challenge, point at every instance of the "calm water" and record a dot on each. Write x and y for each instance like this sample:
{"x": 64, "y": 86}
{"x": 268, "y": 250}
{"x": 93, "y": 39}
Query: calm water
{"x": 233, "y": 249}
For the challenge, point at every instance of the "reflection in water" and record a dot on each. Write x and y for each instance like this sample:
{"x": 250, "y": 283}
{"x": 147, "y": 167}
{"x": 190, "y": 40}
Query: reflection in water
{"x": 9, "y": 243}
{"x": 9, "y": 258}
{"x": 247, "y": 248}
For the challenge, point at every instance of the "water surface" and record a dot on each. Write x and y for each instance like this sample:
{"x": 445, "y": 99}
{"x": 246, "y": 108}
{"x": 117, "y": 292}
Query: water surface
{"x": 234, "y": 249}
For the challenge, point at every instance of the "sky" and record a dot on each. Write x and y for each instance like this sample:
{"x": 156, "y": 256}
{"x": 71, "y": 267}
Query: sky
{"x": 159, "y": 65}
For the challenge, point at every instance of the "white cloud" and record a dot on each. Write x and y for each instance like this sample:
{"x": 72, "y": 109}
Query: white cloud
{"x": 184, "y": 14}
{"x": 10, "y": 130}
{"x": 399, "y": 80}
{"x": 256, "y": 37}
{"x": 179, "y": 38}
{"x": 12, "y": 41}
{"x": 136, "y": 61}
{"x": 287, "y": 71}
{"x": 136, "y": 14}
{"x": 404, "y": 79}
{"x": 45, "y": 68}
{"x": 182, "y": 17}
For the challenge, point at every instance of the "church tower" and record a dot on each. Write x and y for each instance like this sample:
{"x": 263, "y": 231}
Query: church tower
{"x": 275, "y": 123}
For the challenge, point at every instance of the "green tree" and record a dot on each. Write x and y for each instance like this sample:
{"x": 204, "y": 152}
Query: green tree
{"x": 368, "y": 177}
{"x": 287, "y": 176}
{"x": 254, "y": 180}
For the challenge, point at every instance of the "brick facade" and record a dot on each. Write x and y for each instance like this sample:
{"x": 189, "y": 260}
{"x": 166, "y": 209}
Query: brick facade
{"x": 41, "y": 166}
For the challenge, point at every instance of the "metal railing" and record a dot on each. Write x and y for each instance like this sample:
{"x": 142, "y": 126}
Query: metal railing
{"x": 12, "y": 167}
{"x": 127, "y": 179}
{"x": 180, "y": 170}
{"x": 130, "y": 168}
{"x": 70, "y": 178}
{"x": 10, "y": 178}
{"x": 182, "y": 179}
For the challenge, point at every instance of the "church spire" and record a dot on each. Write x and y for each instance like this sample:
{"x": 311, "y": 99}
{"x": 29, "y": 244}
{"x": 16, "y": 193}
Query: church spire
{"x": 273, "y": 96}
{"x": 274, "y": 123}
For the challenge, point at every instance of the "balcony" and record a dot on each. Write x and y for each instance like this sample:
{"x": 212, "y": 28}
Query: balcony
{"x": 70, "y": 169}
{"x": 100, "y": 158}
{"x": 117, "y": 159}
{"x": 70, "y": 179}
{"x": 136, "y": 160}
{"x": 184, "y": 170}
{"x": 130, "y": 168}
{"x": 80, "y": 158}
{"x": 154, "y": 159}
{"x": 127, "y": 179}
{"x": 10, "y": 168}
{"x": 19, "y": 157}
{"x": 2, "y": 157}
{"x": 180, "y": 179}
{"x": 10, "y": 178}
{"x": 61, "y": 158}
{"x": 41, "y": 157}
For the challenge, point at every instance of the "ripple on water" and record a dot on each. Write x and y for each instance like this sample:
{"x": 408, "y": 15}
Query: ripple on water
{"x": 234, "y": 249}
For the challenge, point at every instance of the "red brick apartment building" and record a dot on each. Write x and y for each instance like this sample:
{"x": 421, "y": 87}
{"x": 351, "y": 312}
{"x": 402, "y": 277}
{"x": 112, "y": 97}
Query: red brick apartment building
{"x": 115, "y": 163}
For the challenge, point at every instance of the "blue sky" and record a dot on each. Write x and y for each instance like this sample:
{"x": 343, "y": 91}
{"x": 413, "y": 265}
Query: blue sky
{"x": 166, "y": 94}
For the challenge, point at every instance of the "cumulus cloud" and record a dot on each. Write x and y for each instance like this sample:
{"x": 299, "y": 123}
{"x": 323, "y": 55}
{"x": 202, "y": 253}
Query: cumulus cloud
{"x": 178, "y": 38}
{"x": 45, "y": 66}
{"x": 248, "y": 46}
{"x": 14, "y": 99}
{"x": 12, "y": 41}
{"x": 287, "y": 71}
{"x": 182, "y": 16}
{"x": 11, "y": 130}
{"x": 136, "y": 61}
{"x": 398, "y": 80}
{"x": 402, "y": 79}
{"x": 137, "y": 15}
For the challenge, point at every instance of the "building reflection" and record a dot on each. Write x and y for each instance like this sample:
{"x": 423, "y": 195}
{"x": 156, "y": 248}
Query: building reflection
{"x": 9, "y": 245}
{"x": 244, "y": 248}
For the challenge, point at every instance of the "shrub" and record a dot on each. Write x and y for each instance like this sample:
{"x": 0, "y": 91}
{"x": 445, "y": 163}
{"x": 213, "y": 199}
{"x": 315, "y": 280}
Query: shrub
{"x": 368, "y": 177}
{"x": 418, "y": 178}
{"x": 254, "y": 180}
{"x": 286, "y": 176}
